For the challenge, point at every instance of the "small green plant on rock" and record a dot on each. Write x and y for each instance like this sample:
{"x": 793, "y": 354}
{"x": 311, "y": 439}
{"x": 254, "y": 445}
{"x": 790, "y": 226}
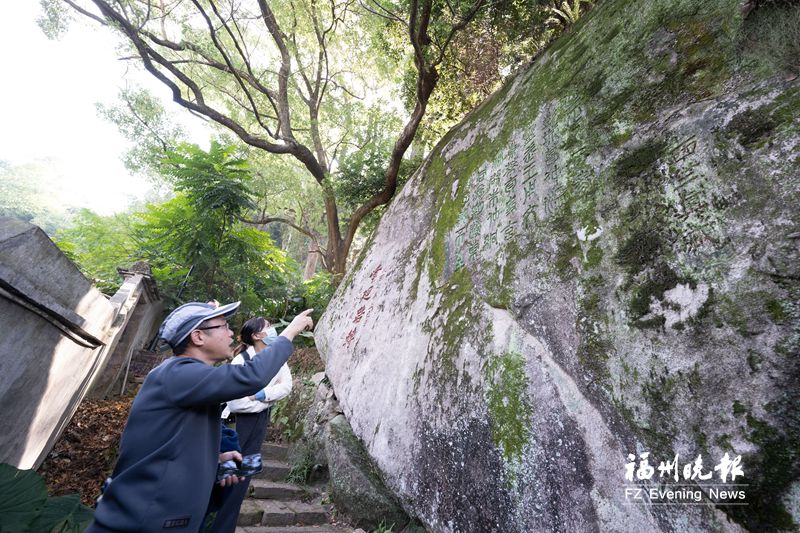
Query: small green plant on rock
{"x": 301, "y": 468}
{"x": 567, "y": 13}
{"x": 383, "y": 528}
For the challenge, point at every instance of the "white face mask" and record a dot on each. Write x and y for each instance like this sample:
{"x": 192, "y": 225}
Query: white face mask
{"x": 271, "y": 333}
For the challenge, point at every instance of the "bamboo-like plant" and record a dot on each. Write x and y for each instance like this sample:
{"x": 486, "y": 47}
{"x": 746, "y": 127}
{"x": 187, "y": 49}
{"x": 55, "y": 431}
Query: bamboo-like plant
{"x": 566, "y": 14}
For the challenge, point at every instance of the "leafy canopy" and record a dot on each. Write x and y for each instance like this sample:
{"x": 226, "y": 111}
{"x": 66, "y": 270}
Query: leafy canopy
{"x": 292, "y": 79}
{"x": 195, "y": 243}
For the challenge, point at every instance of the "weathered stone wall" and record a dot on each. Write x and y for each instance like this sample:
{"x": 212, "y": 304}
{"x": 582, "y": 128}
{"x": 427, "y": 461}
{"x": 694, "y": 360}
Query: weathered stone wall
{"x": 59, "y": 332}
{"x": 601, "y": 260}
{"x": 142, "y": 309}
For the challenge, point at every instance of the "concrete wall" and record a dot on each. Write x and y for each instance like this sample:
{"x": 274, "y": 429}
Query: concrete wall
{"x": 142, "y": 312}
{"x": 59, "y": 333}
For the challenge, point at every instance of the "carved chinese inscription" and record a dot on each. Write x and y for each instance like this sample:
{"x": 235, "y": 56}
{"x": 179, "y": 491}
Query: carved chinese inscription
{"x": 693, "y": 203}
{"x": 364, "y": 308}
{"x": 510, "y": 195}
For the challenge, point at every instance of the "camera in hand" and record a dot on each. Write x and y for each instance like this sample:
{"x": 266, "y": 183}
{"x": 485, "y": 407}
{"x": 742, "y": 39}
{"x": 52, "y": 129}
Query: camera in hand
{"x": 248, "y": 467}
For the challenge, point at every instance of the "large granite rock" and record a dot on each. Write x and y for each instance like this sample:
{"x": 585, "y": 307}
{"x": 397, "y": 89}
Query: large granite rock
{"x": 356, "y": 487}
{"x": 602, "y": 260}
{"x": 355, "y": 483}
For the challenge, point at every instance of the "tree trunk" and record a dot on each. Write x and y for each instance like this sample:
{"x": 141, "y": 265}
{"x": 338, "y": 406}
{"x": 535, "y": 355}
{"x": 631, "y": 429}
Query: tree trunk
{"x": 311, "y": 261}
{"x": 336, "y": 258}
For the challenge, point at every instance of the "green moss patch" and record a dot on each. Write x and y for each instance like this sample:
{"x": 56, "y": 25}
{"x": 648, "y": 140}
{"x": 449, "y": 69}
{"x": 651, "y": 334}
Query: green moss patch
{"x": 509, "y": 408}
{"x": 769, "y": 473}
{"x": 659, "y": 392}
{"x": 594, "y": 347}
{"x": 657, "y": 282}
{"x": 752, "y": 126}
{"x": 631, "y": 166}
{"x": 776, "y": 310}
{"x": 641, "y": 248}
{"x": 769, "y": 41}
{"x": 499, "y": 279}
{"x": 457, "y": 318}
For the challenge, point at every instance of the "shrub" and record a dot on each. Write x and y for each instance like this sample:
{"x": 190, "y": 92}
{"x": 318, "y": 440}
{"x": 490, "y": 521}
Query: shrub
{"x": 25, "y": 505}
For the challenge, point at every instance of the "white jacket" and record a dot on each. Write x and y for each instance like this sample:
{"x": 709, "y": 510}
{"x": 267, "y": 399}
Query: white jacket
{"x": 278, "y": 388}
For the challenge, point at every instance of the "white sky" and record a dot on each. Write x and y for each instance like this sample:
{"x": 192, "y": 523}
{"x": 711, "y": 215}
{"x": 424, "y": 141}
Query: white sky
{"x": 47, "y": 109}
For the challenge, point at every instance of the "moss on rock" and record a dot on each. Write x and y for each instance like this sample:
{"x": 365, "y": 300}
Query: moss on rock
{"x": 506, "y": 400}
{"x": 631, "y": 166}
{"x": 654, "y": 137}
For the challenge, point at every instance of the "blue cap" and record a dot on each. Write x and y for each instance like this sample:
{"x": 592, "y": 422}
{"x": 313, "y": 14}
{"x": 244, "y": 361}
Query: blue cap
{"x": 185, "y": 319}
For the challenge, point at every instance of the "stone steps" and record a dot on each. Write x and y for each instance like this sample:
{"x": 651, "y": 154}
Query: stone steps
{"x": 275, "y": 506}
{"x": 275, "y": 490}
{"x": 257, "y": 512}
{"x": 274, "y": 452}
{"x": 293, "y": 529}
{"x": 273, "y": 470}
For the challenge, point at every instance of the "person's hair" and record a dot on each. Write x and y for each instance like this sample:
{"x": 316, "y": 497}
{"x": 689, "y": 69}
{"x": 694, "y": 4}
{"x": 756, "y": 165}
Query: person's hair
{"x": 254, "y": 325}
{"x": 180, "y": 349}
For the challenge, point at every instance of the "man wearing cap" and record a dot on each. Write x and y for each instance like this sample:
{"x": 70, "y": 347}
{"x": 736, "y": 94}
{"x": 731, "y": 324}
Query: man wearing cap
{"x": 170, "y": 447}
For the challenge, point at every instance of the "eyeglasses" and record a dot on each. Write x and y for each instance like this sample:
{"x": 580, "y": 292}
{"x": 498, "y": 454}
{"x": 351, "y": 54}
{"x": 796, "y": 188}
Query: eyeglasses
{"x": 225, "y": 325}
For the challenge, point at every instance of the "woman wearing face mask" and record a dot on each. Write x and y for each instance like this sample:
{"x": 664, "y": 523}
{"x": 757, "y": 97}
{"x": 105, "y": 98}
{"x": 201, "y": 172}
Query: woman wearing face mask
{"x": 252, "y": 413}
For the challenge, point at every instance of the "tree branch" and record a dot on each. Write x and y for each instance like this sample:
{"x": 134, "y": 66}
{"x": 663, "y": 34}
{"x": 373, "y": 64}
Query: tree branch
{"x": 427, "y": 78}
{"x": 384, "y": 13}
{"x": 150, "y": 57}
{"x": 184, "y": 46}
{"x": 164, "y": 144}
{"x": 263, "y": 220}
{"x": 86, "y": 13}
{"x": 456, "y": 28}
{"x": 284, "y": 124}
{"x": 228, "y": 62}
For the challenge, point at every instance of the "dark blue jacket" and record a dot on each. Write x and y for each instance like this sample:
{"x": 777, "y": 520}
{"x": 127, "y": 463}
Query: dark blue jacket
{"x": 170, "y": 447}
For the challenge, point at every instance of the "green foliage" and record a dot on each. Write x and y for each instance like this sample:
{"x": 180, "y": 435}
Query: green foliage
{"x": 216, "y": 181}
{"x": 362, "y": 167}
{"x": 336, "y": 117}
{"x": 302, "y": 467}
{"x": 519, "y": 26}
{"x": 317, "y": 292}
{"x": 383, "y": 528}
{"x": 281, "y": 185}
{"x": 195, "y": 243}
{"x": 227, "y": 259}
{"x": 198, "y": 239}
{"x": 98, "y": 245}
{"x": 566, "y": 14}
{"x": 141, "y": 118}
{"x": 505, "y": 36}
{"x": 25, "y": 506}
{"x": 55, "y": 18}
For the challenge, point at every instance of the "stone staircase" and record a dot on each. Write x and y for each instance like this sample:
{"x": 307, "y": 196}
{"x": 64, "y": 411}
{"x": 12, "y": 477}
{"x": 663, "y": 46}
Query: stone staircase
{"x": 279, "y": 507}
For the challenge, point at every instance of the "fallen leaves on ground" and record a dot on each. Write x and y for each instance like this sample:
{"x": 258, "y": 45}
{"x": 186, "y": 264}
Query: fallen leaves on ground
{"x": 86, "y": 452}
{"x": 306, "y": 361}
